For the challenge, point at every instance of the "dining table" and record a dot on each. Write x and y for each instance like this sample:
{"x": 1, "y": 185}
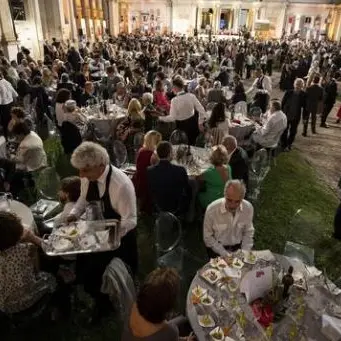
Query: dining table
{"x": 217, "y": 307}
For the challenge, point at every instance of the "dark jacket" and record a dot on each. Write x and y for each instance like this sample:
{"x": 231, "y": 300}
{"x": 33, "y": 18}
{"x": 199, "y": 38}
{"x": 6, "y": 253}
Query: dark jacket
{"x": 169, "y": 187}
{"x": 330, "y": 92}
{"x": 239, "y": 164}
{"x": 314, "y": 98}
{"x": 292, "y": 111}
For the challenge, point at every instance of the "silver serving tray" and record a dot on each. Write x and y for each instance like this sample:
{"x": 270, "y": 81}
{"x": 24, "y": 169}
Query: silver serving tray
{"x": 105, "y": 233}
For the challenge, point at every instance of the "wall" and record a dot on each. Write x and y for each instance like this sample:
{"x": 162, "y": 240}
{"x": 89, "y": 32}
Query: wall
{"x": 183, "y": 19}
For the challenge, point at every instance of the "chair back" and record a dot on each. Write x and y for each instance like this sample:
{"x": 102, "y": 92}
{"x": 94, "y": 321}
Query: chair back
{"x": 217, "y": 136}
{"x": 47, "y": 183}
{"x": 70, "y": 137}
{"x": 178, "y": 137}
{"x": 118, "y": 154}
{"x": 168, "y": 232}
{"x": 138, "y": 141}
{"x": 210, "y": 105}
{"x": 260, "y": 164}
{"x": 256, "y": 112}
{"x": 241, "y": 108}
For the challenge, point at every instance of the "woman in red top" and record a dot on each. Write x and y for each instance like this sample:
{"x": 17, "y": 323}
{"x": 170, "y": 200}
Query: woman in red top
{"x": 160, "y": 99}
{"x": 145, "y": 157}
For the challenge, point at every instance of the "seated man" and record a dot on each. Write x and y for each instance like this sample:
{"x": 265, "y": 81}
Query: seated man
{"x": 269, "y": 134}
{"x": 228, "y": 222}
{"x": 30, "y": 156}
{"x": 168, "y": 183}
{"x": 88, "y": 98}
{"x": 238, "y": 161}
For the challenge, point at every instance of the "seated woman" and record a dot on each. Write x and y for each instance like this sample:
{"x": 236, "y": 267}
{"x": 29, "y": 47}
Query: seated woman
{"x": 239, "y": 94}
{"x": 74, "y": 115}
{"x": 201, "y": 91}
{"x": 62, "y": 96}
{"x": 69, "y": 193}
{"x": 160, "y": 98}
{"x": 143, "y": 161}
{"x": 18, "y": 116}
{"x": 213, "y": 179}
{"x": 134, "y": 122}
{"x": 22, "y": 284}
{"x": 121, "y": 96}
{"x": 218, "y": 123}
{"x": 149, "y": 111}
{"x": 156, "y": 299}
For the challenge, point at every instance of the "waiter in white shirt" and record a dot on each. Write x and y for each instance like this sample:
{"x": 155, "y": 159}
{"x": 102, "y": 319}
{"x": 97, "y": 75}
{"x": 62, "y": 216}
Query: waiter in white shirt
{"x": 182, "y": 111}
{"x": 112, "y": 190}
{"x": 7, "y": 97}
{"x": 228, "y": 223}
{"x": 262, "y": 86}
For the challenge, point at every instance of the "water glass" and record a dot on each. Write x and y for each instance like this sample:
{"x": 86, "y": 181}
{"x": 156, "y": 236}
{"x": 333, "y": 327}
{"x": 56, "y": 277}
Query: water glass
{"x": 5, "y": 201}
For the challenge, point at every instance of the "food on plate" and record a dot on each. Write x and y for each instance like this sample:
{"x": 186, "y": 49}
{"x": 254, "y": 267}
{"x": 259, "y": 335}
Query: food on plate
{"x": 62, "y": 244}
{"x": 232, "y": 286}
{"x": 73, "y": 232}
{"x": 198, "y": 291}
{"x": 206, "y": 321}
{"x": 195, "y": 299}
{"x": 226, "y": 280}
{"x": 252, "y": 256}
{"x": 217, "y": 333}
{"x": 212, "y": 275}
{"x": 87, "y": 241}
{"x": 237, "y": 263}
{"x": 207, "y": 300}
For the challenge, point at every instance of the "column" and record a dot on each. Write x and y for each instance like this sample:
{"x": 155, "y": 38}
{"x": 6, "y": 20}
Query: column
{"x": 169, "y": 16}
{"x": 73, "y": 23}
{"x": 236, "y": 20}
{"x": 218, "y": 13}
{"x": 281, "y": 22}
{"x": 33, "y": 17}
{"x": 114, "y": 18}
{"x": 8, "y": 37}
{"x": 297, "y": 23}
{"x": 86, "y": 14}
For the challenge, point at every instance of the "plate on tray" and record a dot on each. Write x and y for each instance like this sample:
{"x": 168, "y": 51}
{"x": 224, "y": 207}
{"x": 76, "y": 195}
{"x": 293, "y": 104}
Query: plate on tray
{"x": 211, "y": 275}
{"x": 206, "y": 321}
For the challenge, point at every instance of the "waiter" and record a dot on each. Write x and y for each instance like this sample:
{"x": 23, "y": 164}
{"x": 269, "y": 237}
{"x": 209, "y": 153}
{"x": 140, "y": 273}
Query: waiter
{"x": 113, "y": 190}
{"x": 183, "y": 111}
{"x": 262, "y": 86}
{"x": 7, "y": 96}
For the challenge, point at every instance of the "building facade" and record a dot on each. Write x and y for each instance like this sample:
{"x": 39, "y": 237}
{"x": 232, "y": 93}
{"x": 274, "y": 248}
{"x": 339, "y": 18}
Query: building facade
{"x": 30, "y": 22}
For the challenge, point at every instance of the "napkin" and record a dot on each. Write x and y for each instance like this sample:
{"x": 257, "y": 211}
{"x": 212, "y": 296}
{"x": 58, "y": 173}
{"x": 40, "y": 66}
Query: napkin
{"x": 331, "y": 327}
{"x": 265, "y": 255}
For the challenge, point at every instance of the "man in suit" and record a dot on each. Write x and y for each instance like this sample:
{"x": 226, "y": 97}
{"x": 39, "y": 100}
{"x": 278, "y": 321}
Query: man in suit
{"x": 88, "y": 97}
{"x": 313, "y": 105}
{"x": 238, "y": 159}
{"x": 168, "y": 183}
{"x": 293, "y": 104}
{"x": 330, "y": 94}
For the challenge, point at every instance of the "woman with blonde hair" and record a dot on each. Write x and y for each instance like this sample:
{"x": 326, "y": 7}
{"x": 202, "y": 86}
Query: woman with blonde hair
{"x": 133, "y": 123}
{"x": 143, "y": 161}
{"x": 213, "y": 179}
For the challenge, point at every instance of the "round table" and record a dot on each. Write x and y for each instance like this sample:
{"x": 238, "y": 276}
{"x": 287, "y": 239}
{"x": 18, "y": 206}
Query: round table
{"x": 301, "y": 321}
{"x": 23, "y": 212}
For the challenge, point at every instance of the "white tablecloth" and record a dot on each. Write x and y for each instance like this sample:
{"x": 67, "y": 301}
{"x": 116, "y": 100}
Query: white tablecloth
{"x": 23, "y": 212}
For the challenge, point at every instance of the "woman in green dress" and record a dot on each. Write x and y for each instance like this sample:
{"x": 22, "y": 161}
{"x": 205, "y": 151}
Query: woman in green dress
{"x": 212, "y": 180}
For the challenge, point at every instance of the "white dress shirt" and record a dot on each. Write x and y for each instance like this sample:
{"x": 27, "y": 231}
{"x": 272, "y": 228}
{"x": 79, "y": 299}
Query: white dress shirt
{"x": 60, "y": 113}
{"x": 122, "y": 198}
{"x": 222, "y": 228}
{"x": 7, "y": 92}
{"x": 269, "y": 134}
{"x": 182, "y": 108}
{"x": 266, "y": 83}
{"x": 61, "y": 218}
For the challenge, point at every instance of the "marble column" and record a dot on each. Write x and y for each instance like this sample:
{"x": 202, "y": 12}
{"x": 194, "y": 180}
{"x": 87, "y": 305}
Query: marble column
{"x": 114, "y": 26}
{"x": 33, "y": 16}
{"x": 236, "y": 20}
{"x": 73, "y": 23}
{"x": 297, "y": 23}
{"x": 9, "y": 41}
{"x": 217, "y": 24}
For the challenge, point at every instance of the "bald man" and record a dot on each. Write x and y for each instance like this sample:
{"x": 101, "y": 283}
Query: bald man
{"x": 228, "y": 223}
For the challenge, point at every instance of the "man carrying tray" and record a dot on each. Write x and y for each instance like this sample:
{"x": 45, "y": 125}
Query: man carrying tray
{"x": 114, "y": 192}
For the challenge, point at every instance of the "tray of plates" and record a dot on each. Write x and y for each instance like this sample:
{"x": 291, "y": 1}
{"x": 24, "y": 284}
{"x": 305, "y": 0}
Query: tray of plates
{"x": 82, "y": 237}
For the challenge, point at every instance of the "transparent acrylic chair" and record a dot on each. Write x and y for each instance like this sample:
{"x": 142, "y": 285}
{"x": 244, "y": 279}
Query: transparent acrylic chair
{"x": 118, "y": 154}
{"x": 178, "y": 137}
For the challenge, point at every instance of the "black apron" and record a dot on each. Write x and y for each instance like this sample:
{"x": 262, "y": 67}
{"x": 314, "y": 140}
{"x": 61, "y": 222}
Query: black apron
{"x": 91, "y": 267}
{"x": 261, "y": 100}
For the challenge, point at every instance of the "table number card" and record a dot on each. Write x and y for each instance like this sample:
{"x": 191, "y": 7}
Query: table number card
{"x": 256, "y": 283}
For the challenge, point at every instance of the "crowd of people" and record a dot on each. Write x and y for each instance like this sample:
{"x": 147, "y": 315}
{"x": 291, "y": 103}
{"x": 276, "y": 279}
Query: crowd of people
{"x": 161, "y": 82}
